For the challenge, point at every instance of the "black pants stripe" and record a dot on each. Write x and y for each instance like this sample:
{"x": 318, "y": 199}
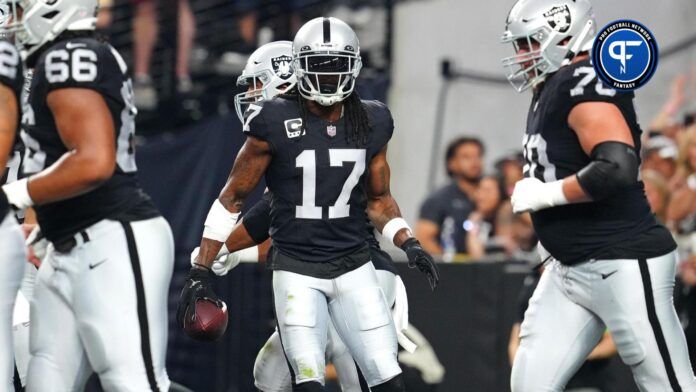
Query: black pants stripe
{"x": 142, "y": 306}
{"x": 17, "y": 381}
{"x": 655, "y": 324}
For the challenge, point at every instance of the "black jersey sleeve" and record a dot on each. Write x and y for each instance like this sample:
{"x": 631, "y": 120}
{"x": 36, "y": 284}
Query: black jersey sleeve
{"x": 257, "y": 221}
{"x": 255, "y": 123}
{"x": 10, "y": 67}
{"x": 381, "y": 122}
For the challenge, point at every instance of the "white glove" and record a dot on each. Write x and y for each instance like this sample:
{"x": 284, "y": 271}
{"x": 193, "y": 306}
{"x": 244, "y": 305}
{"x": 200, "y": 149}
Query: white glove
{"x": 222, "y": 253}
{"x": 530, "y": 194}
{"x": 224, "y": 262}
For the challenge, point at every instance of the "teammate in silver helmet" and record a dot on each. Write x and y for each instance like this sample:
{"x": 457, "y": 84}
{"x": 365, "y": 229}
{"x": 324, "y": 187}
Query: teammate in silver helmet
{"x": 611, "y": 264}
{"x": 268, "y": 73}
{"x": 557, "y": 30}
{"x": 95, "y": 306}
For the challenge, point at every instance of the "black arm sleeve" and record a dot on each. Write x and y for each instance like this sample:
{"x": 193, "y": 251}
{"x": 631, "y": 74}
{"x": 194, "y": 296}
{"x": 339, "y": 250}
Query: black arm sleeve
{"x": 614, "y": 167}
{"x": 257, "y": 221}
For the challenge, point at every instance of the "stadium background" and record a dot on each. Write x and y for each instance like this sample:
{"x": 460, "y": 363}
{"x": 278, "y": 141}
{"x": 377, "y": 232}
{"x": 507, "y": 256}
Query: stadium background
{"x": 187, "y": 145}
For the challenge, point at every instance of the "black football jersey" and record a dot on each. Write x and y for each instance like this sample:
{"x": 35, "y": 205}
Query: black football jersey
{"x": 11, "y": 76}
{"x": 89, "y": 64}
{"x": 317, "y": 180}
{"x": 621, "y": 226}
{"x": 257, "y": 222}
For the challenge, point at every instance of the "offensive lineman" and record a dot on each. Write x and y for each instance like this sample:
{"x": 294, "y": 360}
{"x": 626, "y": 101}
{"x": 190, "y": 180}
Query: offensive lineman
{"x": 268, "y": 73}
{"x": 12, "y": 251}
{"x": 95, "y": 307}
{"x": 613, "y": 264}
{"x": 320, "y": 260}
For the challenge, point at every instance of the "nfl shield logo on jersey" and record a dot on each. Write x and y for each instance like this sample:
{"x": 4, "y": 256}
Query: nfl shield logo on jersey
{"x": 331, "y": 130}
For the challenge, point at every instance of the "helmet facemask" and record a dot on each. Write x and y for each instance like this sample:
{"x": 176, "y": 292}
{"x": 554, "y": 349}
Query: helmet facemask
{"x": 546, "y": 35}
{"x": 326, "y": 77}
{"x": 11, "y": 20}
{"x": 530, "y": 64}
{"x": 256, "y": 91}
{"x": 267, "y": 74}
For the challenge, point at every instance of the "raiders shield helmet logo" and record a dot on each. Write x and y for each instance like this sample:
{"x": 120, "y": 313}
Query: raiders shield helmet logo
{"x": 282, "y": 66}
{"x": 559, "y": 18}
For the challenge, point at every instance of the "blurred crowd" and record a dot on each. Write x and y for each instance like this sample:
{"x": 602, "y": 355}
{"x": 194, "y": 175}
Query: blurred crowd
{"x": 471, "y": 217}
{"x": 185, "y": 56}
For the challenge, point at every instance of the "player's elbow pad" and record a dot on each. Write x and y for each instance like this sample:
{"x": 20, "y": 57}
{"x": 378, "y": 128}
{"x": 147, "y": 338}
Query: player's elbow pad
{"x": 614, "y": 167}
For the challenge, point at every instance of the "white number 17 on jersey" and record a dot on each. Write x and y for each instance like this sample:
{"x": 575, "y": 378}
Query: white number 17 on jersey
{"x": 308, "y": 162}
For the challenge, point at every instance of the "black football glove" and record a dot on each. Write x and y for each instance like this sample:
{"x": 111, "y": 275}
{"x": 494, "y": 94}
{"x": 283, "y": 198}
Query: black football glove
{"x": 197, "y": 286}
{"x": 418, "y": 257}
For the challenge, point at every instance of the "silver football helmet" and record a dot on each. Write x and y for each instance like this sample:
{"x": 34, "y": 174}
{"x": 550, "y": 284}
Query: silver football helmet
{"x": 326, "y": 57}
{"x": 44, "y": 20}
{"x": 267, "y": 73}
{"x": 546, "y": 35}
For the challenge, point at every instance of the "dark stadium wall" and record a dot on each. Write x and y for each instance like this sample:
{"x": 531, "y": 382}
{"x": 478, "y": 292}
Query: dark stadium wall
{"x": 184, "y": 171}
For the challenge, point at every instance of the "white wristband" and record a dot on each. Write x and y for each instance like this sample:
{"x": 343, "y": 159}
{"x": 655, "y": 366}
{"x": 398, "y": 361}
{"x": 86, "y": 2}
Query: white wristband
{"x": 555, "y": 193}
{"x": 392, "y": 227}
{"x": 249, "y": 254}
{"x": 18, "y": 194}
{"x": 219, "y": 223}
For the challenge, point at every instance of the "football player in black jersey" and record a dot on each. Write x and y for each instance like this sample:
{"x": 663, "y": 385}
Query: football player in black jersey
{"x": 95, "y": 307}
{"x": 268, "y": 73}
{"x": 323, "y": 153}
{"x": 12, "y": 252}
{"x": 612, "y": 264}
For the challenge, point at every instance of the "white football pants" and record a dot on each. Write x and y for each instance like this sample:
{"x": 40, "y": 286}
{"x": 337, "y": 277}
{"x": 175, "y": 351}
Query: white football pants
{"x": 102, "y": 307}
{"x": 572, "y": 307}
{"x": 271, "y": 371}
{"x": 13, "y": 259}
{"x": 21, "y": 324}
{"x": 358, "y": 308}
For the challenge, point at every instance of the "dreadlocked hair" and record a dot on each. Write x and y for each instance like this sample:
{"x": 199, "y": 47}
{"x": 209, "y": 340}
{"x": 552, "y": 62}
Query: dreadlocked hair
{"x": 354, "y": 114}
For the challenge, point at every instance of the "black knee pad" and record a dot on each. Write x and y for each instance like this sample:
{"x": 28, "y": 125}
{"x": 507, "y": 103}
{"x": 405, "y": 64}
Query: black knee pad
{"x": 311, "y": 386}
{"x": 396, "y": 384}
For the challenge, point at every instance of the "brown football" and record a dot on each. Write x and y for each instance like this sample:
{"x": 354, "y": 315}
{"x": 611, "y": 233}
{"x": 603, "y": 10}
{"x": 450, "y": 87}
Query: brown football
{"x": 210, "y": 321}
